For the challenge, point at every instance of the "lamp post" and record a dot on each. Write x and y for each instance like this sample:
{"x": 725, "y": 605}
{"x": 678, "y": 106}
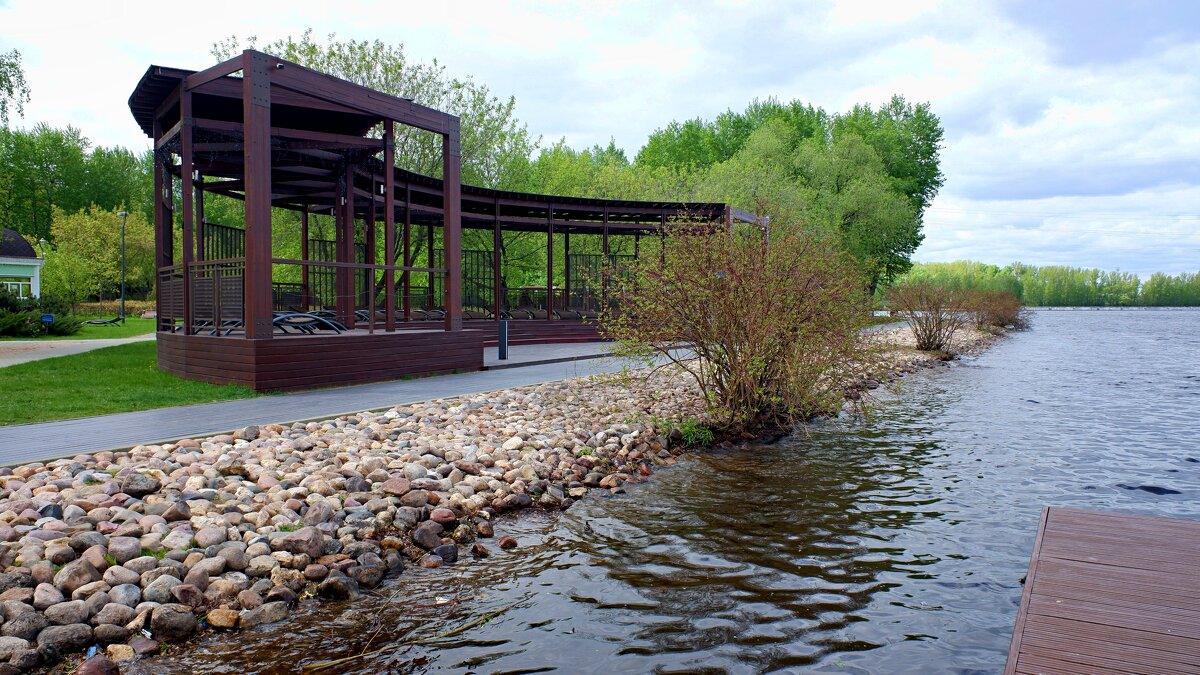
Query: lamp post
{"x": 123, "y": 215}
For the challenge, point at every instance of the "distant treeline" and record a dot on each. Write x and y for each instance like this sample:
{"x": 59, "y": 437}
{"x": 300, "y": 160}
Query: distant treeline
{"x": 1060, "y": 286}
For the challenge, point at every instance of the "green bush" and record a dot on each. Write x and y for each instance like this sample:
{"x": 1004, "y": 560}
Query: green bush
{"x": 19, "y": 324}
{"x": 28, "y": 323}
{"x": 9, "y": 302}
{"x": 64, "y": 324}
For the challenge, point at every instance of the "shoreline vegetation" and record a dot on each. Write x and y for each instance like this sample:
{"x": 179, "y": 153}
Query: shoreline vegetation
{"x": 132, "y": 550}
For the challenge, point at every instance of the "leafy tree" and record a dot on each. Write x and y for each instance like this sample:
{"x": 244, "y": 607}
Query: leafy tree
{"x": 908, "y": 139}
{"x": 14, "y": 92}
{"x": 852, "y": 195}
{"x": 44, "y": 168}
{"x": 40, "y": 169}
{"x": 495, "y": 145}
{"x": 86, "y": 258}
{"x": 698, "y": 144}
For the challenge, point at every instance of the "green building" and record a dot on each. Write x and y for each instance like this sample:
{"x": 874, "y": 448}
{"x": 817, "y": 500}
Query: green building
{"x": 20, "y": 266}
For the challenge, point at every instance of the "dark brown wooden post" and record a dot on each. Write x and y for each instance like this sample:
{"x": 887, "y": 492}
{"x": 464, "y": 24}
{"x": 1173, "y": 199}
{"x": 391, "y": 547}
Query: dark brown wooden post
{"x": 662, "y": 241}
{"x": 431, "y": 262}
{"x": 497, "y": 277}
{"x": 344, "y": 247}
{"x": 452, "y": 225}
{"x": 389, "y": 224}
{"x": 168, "y": 231}
{"x": 199, "y": 216}
{"x": 549, "y": 263}
{"x": 158, "y": 229}
{"x": 408, "y": 261}
{"x": 566, "y": 268}
{"x": 304, "y": 292}
{"x": 368, "y": 275}
{"x": 187, "y": 190}
{"x": 256, "y": 126}
{"x": 604, "y": 263}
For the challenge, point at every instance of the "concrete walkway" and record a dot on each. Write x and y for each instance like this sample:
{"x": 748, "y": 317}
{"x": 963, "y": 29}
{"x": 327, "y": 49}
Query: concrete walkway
{"x": 46, "y": 440}
{"x": 13, "y": 352}
{"x": 523, "y": 355}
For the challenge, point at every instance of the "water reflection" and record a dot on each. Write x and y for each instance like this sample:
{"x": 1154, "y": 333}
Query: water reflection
{"x": 895, "y": 545}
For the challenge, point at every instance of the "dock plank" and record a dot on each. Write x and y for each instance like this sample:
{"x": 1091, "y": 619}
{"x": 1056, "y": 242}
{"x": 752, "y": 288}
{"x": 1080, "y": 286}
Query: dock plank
{"x": 1109, "y": 593}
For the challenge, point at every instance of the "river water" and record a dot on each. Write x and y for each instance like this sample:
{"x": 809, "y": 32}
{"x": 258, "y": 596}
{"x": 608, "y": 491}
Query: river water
{"x": 894, "y": 545}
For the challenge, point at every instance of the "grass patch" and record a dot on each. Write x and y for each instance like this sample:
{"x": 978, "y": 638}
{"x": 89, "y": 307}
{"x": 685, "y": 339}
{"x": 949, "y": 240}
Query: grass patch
{"x": 116, "y": 379}
{"x": 132, "y": 327}
{"x": 157, "y": 555}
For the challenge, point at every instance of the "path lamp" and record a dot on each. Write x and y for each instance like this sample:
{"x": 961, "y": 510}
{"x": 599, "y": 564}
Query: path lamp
{"x": 124, "y": 215}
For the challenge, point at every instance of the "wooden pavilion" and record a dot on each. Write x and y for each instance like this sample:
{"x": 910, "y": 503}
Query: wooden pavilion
{"x": 276, "y": 135}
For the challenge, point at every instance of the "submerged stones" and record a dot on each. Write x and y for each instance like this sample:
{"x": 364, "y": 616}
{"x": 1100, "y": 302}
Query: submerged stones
{"x": 105, "y": 549}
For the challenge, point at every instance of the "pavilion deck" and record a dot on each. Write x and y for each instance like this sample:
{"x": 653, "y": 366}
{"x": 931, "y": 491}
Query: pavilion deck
{"x": 294, "y": 361}
{"x": 1110, "y": 593}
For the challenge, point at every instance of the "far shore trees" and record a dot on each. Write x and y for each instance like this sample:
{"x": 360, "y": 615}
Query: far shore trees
{"x": 1062, "y": 286}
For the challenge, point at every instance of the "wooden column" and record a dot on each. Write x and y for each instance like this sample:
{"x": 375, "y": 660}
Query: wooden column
{"x": 200, "y": 253}
{"x": 306, "y": 300}
{"x": 368, "y": 275}
{"x": 256, "y": 126}
{"x": 497, "y": 277}
{"x": 604, "y": 263}
{"x": 344, "y": 247}
{"x": 566, "y": 268}
{"x": 389, "y": 224}
{"x": 431, "y": 262}
{"x": 549, "y": 263}
{"x": 187, "y": 192}
{"x": 452, "y": 225}
{"x": 159, "y": 258}
{"x": 408, "y": 261}
{"x": 662, "y": 241}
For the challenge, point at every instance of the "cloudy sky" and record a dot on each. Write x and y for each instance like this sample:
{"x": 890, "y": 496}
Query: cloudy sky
{"x": 1072, "y": 126}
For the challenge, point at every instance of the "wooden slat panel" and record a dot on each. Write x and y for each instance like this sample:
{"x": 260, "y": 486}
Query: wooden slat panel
{"x": 1110, "y": 593}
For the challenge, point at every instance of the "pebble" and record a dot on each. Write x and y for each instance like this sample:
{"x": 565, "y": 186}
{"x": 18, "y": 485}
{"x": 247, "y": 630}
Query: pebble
{"x": 242, "y": 526}
{"x": 225, "y": 619}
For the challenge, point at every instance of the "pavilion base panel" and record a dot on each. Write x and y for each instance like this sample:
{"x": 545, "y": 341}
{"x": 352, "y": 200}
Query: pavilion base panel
{"x": 308, "y": 362}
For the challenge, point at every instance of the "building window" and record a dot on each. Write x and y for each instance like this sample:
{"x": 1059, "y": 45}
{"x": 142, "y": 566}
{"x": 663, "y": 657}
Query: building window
{"x": 22, "y": 287}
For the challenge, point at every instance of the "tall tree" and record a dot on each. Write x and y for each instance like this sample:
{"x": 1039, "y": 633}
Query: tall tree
{"x": 852, "y": 194}
{"x": 908, "y": 139}
{"x": 495, "y": 145}
{"x": 14, "y": 91}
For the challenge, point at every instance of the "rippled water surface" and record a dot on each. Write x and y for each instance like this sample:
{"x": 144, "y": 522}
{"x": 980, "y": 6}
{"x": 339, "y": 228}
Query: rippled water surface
{"x": 892, "y": 546}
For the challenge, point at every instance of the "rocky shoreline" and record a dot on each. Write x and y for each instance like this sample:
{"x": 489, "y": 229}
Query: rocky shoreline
{"x": 114, "y": 555}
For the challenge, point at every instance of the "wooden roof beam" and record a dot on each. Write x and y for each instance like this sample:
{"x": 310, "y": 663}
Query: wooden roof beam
{"x": 328, "y": 88}
{"x": 228, "y": 67}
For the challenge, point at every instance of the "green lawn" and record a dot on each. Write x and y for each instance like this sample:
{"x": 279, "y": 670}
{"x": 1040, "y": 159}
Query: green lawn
{"x": 131, "y": 328}
{"x": 109, "y": 380}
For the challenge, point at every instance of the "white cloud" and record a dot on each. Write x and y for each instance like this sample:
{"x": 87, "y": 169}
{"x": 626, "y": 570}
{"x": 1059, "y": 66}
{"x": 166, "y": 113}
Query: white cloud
{"x": 1108, "y": 140}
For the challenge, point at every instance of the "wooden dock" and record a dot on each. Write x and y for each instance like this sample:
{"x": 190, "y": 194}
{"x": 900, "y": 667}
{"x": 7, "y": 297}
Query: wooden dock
{"x": 1110, "y": 593}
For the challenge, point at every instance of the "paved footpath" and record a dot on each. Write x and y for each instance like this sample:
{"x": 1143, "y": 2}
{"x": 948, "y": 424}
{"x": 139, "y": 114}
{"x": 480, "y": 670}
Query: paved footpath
{"x": 35, "y": 442}
{"x": 13, "y": 352}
